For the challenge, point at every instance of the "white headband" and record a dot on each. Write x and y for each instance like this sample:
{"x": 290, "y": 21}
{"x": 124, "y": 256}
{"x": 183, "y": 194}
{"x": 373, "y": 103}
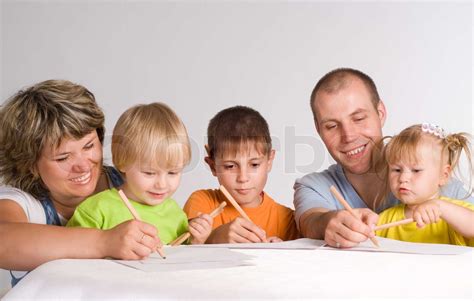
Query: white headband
{"x": 433, "y": 129}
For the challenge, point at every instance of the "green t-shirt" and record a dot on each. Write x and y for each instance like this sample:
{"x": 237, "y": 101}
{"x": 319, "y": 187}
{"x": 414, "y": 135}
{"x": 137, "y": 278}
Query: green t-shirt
{"x": 106, "y": 209}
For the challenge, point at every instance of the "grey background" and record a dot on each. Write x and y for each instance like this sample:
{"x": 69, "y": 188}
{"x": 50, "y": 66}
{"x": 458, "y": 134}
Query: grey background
{"x": 200, "y": 57}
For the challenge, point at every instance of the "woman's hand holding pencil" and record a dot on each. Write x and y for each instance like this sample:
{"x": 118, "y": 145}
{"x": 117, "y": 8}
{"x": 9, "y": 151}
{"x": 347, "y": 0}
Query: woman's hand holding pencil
{"x": 137, "y": 217}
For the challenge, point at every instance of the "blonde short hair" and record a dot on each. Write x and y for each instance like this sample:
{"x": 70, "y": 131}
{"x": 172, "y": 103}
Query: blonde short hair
{"x": 38, "y": 116}
{"x": 150, "y": 134}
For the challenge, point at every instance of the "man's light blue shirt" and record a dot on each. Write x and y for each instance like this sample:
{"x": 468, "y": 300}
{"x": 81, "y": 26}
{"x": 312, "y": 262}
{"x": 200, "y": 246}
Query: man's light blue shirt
{"x": 312, "y": 191}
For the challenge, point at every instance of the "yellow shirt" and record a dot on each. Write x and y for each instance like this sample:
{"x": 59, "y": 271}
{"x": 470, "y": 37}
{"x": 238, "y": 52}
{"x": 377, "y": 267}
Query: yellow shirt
{"x": 275, "y": 219}
{"x": 439, "y": 233}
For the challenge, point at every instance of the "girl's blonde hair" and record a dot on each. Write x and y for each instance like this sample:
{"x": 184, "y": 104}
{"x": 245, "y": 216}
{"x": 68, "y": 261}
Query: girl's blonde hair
{"x": 39, "y": 116}
{"x": 404, "y": 146}
{"x": 150, "y": 134}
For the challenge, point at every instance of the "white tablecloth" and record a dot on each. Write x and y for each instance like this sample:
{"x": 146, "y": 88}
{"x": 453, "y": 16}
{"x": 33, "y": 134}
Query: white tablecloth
{"x": 286, "y": 274}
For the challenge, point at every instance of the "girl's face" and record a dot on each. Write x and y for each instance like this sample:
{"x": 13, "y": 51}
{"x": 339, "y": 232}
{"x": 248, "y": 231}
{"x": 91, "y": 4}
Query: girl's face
{"x": 416, "y": 182}
{"x": 151, "y": 185}
{"x": 71, "y": 171}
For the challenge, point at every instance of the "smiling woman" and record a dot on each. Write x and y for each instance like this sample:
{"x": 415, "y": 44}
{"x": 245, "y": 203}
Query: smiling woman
{"x": 51, "y": 160}
{"x": 71, "y": 171}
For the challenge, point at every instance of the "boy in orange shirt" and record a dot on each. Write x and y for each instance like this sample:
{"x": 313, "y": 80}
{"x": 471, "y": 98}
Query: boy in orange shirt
{"x": 240, "y": 155}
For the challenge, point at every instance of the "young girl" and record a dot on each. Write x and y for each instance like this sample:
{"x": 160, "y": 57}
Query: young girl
{"x": 420, "y": 161}
{"x": 150, "y": 148}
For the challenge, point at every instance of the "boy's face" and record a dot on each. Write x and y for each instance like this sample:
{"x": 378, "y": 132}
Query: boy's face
{"x": 150, "y": 185}
{"x": 244, "y": 175}
{"x": 416, "y": 182}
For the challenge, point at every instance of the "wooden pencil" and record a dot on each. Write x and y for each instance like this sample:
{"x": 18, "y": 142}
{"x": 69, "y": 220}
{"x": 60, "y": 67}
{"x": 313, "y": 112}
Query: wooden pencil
{"x": 394, "y": 224}
{"x": 348, "y": 207}
{"x": 234, "y": 203}
{"x": 137, "y": 217}
{"x": 183, "y": 237}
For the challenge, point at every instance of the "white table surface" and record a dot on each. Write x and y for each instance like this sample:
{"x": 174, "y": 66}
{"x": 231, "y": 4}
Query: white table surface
{"x": 285, "y": 274}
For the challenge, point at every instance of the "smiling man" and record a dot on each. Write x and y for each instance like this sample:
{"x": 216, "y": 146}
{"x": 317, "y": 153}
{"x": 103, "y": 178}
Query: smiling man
{"x": 349, "y": 116}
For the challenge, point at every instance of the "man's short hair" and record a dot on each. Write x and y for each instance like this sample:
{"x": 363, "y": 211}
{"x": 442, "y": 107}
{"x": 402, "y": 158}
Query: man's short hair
{"x": 338, "y": 79}
{"x": 235, "y": 128}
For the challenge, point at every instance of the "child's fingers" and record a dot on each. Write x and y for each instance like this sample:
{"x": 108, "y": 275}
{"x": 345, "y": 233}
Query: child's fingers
{"x": 418, "y": 218}
{"x": 199, "y": 228}
{"x": 437, "y": 215}
{"x": 201, "y": 222}
{"x": 242, "y": 235}
{"x": 206, "y": 218}
{"x": 426, "y": 217}
{"x": 257, "y": 234}
{"x": 431, "y": 215}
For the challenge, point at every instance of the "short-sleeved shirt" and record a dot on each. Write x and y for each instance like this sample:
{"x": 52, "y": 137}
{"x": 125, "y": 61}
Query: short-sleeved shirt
{"x": 32, "y": 207}
{"x": 106, "y": 210}
{"x": 35, "y": 212}
{"x": 438, "y": 233}
{"x": 312, "y": 191}
{"x": 276, "y": 219}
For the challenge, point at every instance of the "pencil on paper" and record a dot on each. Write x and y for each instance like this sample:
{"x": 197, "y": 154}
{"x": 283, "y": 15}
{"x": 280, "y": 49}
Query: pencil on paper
{"x": 348, "y": 207}
{"x": 234, "y": 203}
{"x": 394, "y": 224}
{"x": 183, "y": 237}
{"x": 137, "y": 217}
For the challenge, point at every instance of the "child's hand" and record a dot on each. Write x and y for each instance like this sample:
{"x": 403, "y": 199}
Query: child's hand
{"x": 427, "y": 213}
{"x": 131, "y": 240}
{"x": 238, "y": 231}
{"x": 274, "y": 239}
{"x": 200, "y": 228}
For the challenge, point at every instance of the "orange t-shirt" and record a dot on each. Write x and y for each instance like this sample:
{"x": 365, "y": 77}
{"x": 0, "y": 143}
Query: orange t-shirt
{"x": 275, "y": 219}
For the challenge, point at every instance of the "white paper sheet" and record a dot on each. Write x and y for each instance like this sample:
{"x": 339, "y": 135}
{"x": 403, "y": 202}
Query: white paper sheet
{"x": 397, "y": 246}
{"x": 188, "y": 258}
{"x": 386, "y": 245}
{"x": 297, "y": 244}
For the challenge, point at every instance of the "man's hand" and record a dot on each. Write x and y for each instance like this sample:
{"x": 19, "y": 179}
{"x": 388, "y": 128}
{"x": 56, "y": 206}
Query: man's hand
{"x": 345, "y": 230}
